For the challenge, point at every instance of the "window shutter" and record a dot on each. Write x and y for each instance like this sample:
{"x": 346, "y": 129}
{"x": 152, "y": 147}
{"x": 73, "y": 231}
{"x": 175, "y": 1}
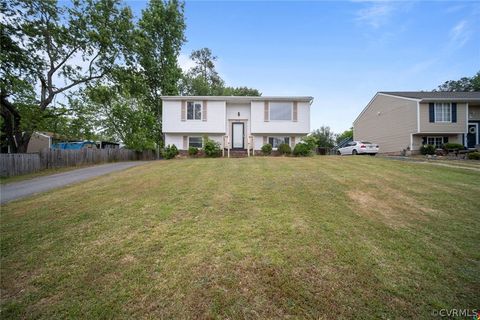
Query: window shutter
{"x": 185, "y": 142}
{"x": 265, "y": 140}
{"x": 445, "y": 139}
{"x": 292, "y": 139}
{"x": 204, "y": 112}
{"x": 184, "y": 110}
{"x": 295, "y": 111}
{"x": 431, "y": 111}
{"x": 265, "y": 111}
{"x": 454, "y": 112}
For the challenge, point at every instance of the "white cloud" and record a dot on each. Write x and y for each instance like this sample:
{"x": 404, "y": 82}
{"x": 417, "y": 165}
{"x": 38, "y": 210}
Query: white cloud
{"x": 376, "y": 14}
{"x": 460, "y": 33}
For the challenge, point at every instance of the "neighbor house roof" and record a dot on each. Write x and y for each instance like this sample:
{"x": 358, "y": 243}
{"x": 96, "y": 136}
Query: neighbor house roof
{"x": 240, "y": 98}
{"x": 436, "y": 95}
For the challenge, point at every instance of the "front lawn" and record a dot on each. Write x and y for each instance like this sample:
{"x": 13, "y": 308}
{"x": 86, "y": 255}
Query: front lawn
{"x": 320, "y": 237}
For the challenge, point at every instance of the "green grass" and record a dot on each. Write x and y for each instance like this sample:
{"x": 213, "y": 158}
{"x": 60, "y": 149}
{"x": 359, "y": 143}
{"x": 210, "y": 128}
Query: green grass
{"x": 321, "y": 237}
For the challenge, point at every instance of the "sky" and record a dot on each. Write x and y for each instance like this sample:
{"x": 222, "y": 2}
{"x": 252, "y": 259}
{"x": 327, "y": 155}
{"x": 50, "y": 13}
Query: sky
{"x": 339, "y": 52}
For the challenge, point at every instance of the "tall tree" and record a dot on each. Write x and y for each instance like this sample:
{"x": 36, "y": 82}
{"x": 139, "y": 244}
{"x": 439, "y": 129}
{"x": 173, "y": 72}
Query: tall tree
{"x": 344, "y": 135}
{"x": 57, "y": 49}
{"x": 160, "y": 38}
{"x": 465, "y": 84}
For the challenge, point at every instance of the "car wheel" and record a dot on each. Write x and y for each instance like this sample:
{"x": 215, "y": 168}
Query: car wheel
{"x": 339, "y": 153}
{"x": 373, "y": 154}
{"x": 354, "y": 152}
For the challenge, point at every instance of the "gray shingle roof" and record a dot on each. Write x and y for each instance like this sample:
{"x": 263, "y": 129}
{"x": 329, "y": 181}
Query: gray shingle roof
{"x": 435, "y": 95}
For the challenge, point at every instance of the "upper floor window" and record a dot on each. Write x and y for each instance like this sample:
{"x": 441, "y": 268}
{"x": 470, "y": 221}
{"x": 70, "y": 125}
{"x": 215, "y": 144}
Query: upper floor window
{"x": 280, "y": 111}
{"x": 443, "y": 112}
{"x": 194, "y": 110}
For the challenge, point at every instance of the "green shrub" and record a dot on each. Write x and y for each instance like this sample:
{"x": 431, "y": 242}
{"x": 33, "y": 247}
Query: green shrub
{"x": 267, "y": 149}
{"x": 427, "y": 149}
{"x": 192, "y": 151}
{"x": 474, "y": 155}
{"x": 453, "y": 146}
{"x": 284, "y": 149}
{"x": 311, "y": 141}
{"x": 211, "y": 148}
{"x": 302, "y": 150}
{"x": 169, "y": 152}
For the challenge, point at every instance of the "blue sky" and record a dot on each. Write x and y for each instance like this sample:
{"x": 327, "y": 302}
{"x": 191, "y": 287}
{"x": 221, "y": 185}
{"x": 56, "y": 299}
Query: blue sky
{"x": 341, "y": 53}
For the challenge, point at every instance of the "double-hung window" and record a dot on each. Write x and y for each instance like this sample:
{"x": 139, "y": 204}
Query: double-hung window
{"x": 195, "y": 142}
{"x": 435, "y": 141}
{"x": 443, "y": 112}
{"x": 194, "y": 110}
{"x": 281, "y": 110}
{"x": 276, "y": 141}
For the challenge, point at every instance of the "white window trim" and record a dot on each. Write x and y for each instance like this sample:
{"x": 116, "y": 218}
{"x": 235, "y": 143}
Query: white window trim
{"x": 291, "y": 113}
{"x": 436, "y": 137}
{"x": 289, "y": 140}
{"x": 195, "y": 137}
{"x": 435, "y": 111}
{"x": 201, "y": 111}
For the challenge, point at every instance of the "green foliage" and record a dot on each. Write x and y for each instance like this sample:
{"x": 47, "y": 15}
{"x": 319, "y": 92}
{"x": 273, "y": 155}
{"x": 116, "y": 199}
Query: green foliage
{"x": 453, "y": 146}
{"x": 192, "y": 151}
{"x": 344, "y": 135}
{"x": 284, "y": 149}
{"x": 474, "y": 155}
{"x": 427, "y": 149}
{"x": 463, "y": 85}
{"x": 211, "y": 148}
{"x": 311, "y": 141}
{"x": 325, "y": 136}
{"x": 302, "y": 150}
{"x": 267, "y": 149}
{"x": 169, "y": 152}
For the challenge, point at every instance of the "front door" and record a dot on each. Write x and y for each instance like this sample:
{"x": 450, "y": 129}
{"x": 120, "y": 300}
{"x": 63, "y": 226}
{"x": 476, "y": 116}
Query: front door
{"x": 237, "y": 135}
{"x": 472, "y": 135}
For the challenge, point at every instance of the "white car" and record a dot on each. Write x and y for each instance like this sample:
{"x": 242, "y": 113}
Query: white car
{"x": 359, "y": 147}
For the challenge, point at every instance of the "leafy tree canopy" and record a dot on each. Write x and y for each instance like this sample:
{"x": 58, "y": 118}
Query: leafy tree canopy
{"x": 465, "y": 84}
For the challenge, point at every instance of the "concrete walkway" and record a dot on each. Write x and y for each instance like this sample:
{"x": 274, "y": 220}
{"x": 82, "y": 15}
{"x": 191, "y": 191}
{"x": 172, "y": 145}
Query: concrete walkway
{"x": 21, "y": 189}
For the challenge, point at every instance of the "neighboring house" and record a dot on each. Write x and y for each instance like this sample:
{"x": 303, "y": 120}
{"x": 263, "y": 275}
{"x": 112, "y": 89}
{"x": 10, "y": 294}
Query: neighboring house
{"x": 235, "y": 122}
{"x": 43, "y": 140}
{"x": 404, "y": 121}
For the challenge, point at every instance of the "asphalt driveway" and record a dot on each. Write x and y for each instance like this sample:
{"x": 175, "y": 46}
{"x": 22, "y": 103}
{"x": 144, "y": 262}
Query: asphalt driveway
{"x": 17, "y": 190}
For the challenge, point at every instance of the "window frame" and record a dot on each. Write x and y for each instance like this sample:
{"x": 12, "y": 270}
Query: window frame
{"x": 280, "y": 102}
{"x": 201, "y": 139}
{"x": 443, "y": 106}
{"x": 194, "y": 103}
{"x": 278, "y": 137}
{"x": 434, "y": 139}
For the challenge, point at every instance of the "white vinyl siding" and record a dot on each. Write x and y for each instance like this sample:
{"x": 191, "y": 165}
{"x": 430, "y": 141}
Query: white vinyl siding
{"x": 194, "y": 110}
{"x": 443, "y": 112}
{"x": 195, "y": 142}
{"x": 280, "y": 111}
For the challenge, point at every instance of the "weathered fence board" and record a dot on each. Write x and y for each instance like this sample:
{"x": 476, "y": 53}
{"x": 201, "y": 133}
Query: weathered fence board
{"x": 22, "y": 163}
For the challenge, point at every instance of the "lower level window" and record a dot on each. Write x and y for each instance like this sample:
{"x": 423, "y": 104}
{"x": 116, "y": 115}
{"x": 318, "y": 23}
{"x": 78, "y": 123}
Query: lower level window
{"x": 195, "y": 142}
{"x": 276, "y": 141}
{"x": 435, "y": 141}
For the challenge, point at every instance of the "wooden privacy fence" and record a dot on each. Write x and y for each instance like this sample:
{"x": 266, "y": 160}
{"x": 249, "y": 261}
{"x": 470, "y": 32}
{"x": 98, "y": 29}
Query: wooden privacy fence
{"x": 22, "y": 163}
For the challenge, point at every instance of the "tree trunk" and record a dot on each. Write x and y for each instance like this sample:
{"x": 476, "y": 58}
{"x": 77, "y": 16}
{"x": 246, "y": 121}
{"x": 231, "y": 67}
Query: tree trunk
{"x": 15, "y": 138}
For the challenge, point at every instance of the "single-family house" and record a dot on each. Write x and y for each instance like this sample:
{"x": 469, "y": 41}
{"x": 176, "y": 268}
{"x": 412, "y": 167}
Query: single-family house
{"x": 235, "y": 122}
{"x": 404, "y": 121}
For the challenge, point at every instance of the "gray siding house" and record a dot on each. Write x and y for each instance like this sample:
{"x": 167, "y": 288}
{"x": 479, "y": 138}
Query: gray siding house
{"x": 404, "y": 121}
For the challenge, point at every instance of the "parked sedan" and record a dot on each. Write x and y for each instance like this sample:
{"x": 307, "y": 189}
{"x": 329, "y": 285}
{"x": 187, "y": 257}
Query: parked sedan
{"x": 359, "y": 147}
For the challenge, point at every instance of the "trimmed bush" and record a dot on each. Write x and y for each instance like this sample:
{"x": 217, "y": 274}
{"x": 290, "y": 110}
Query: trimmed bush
{"x": 474, "y": 155}
{"x": 211, "y": 148}
{"x": 302, "y": 150}
{"x": 169, "y": 152}
{"x": 453, "y": 146}
{"x": 284, "y": 149}
{"x": 267, "y": 149}
{"x": 427, "y": 149}
{"x": 192, "y": 151}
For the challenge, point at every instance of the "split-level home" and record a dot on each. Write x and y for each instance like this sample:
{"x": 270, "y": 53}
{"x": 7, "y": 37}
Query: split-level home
{"x": 235, "y": 122}
{"x": 404, "y": 121}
